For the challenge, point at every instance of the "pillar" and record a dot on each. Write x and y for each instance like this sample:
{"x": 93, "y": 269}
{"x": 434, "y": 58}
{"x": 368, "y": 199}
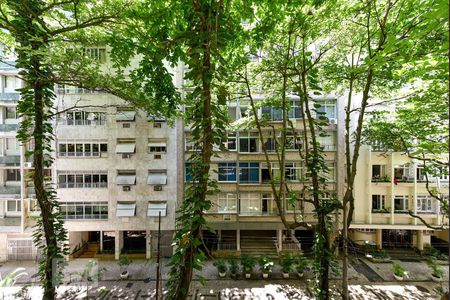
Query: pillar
{"x": 219, "y": 237}
{"x": 419, "y": 240}
{"x": 118, "y": 243}
{"x": 379, "y": 238}
{"x": 238, "y": 239}
{"x": 101, "y": 241}
{"x": 148, "y": 243}
{"x": 280, "y": 239}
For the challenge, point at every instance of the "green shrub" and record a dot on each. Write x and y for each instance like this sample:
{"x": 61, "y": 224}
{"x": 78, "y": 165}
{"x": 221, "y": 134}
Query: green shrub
{"x": 266, "y": 265}
{"x": 287, "y": 263}
{"x": 247, "y": 263}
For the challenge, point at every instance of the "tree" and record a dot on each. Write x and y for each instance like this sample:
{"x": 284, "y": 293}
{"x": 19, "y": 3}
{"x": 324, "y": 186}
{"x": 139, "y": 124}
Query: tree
{"x": 28, "y": 24}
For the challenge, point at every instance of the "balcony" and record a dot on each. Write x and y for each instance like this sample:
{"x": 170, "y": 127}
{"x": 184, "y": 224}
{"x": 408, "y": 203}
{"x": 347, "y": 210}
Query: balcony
{"x": 8, "y": 127}
{"x": 10, "y": 224}
{"x": 10, "y": 159}
{"x": 9, "y": 191}
{"x": 13, "y": 96}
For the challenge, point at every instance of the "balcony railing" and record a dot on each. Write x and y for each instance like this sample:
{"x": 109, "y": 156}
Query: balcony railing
{"x": 9, "y": 190}
{"x": 10, "y": 159}
{"x": 9, "y": 96}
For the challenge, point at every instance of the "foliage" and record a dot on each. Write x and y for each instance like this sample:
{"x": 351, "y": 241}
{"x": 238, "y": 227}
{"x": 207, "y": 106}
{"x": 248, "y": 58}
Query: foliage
{"x": 221, "y": 265}
{"x": 433, "y": 253}
{"x": 124, "y": 261}
{"x": 287, "y": 263}
{"x": 398, "y": 270}
{"x": 233, "y": 266}
{"x": 11, "y": 278}
{"x": 437, "y": 268}
{"x": 300, "y": 263}
{"x": 247, "y": 263}
{"x": 265, "y": 264}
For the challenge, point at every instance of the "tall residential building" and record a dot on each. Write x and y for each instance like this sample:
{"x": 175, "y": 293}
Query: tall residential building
{"x": 115, "y": 170}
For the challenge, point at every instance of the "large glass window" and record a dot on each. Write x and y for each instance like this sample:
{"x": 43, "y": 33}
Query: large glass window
{"x": 401, "y": 172}
{"x": 424, "y": 203}
{"x": 268, "y": 205}
{"x": 327, "y": 108}
{"x": 378, "y": 202}
{"x": 293, "y": 171}
{"x": 227, "y": 203}
{"x": 13, "y": 205}
{"x": 265, "y": 174}
{"x": 401, "y": 203}
{"x": 84, "y": 210}
{"x": 85, "y": 179}
{"x": 230, "y": 142}
{"x": 250, "y": 203}
{"x": 327, "y": 142}
{"x": 83, "y": 118}
{"x": 296, "y": 110}
{"x": 248, "y": 142}
{"x": 249, "y": 172}
{"x": 12, "y": 175}
{"x": 188, "y": 174}
{"x": 11, "y": 113}
{"x": 82, "y": 149}
{"x": 272, "y": 113}
{"x": 378, "y": 172}
{"x": 227, "y": 172}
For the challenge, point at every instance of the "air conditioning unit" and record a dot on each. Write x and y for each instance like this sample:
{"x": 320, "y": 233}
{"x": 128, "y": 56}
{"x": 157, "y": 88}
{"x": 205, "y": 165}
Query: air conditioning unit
{"x": 157, "y": 156}
{"x": 126, "y": 125}
{"x": 157, "y": 125}
{"x": 126, "y": 188}
{"x": 28, "y": 164}
{"x": 332, "y": 121}
{"x": 126, "y": 155}
{"x": 157, "y": 188}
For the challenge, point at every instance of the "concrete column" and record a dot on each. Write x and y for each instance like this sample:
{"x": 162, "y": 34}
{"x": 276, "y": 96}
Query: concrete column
{"x": 118, "y": 243}
{"x": 238, "y": 239}
{"x": 148, "y": 243}
{"x": 419, "y": 240}
{"x": 280, "y": 239}
{"x": 219, "y": 236}
{"x": 101, "y": 241}
{"x": 379, "y": 238}
{"x": 392, "y": 188}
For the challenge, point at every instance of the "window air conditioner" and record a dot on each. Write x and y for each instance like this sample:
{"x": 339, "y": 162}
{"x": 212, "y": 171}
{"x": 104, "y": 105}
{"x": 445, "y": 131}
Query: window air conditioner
{"x": 157, "y": 156}
{"x": 126, "y": 125}
{"x": 333, "y": 121}
{"x": 157, "y": 125}
{"x": 126, "y": 155}
{"x": 126, "y": 188}
{"x": 157, "y": 188}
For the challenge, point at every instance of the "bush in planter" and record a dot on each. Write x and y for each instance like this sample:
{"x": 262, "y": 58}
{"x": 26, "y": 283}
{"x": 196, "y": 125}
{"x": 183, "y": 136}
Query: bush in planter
{"x": 398, "y": 270}
{"x": 431, "y": 252}
{"x": 247, "y": 263}
{"x": 221, "y": 267}
{"x": 233, "y": 267}
{"x": 124, "y": 262}
{"x": 300, "y": 264}
{"x": 286, "y": 263}
{"x": 266, "y": 266}
{"x": 437, "y": 272}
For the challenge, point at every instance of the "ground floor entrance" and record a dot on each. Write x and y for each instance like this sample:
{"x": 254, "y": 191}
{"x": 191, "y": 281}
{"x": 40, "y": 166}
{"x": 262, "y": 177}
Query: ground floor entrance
{"x": 397, "y": 238}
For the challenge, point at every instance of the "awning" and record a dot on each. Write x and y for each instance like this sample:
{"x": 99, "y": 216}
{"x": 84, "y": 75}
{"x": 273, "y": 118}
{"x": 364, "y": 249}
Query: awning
{"x": 157, "y": 178}
{"x": 155, "y": 118}
{"x": 126, "y": 179}
{"x": 125, "y": 115}
{"x": 126, "y": 209}
{"x": 125, "y": 147}
{"x": 155, "y": 207}
{"x": 157, "y": 144}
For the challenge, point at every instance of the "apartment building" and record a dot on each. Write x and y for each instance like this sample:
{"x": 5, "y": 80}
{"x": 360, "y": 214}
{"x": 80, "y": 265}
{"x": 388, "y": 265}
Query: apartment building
{"x": 387, "y": 186}
{"x": 115, "y": 171}
{"x": 244, "y": 214}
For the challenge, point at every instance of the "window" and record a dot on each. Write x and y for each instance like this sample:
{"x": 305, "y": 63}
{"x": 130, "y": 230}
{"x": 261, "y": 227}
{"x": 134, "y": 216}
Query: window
{"x": 268, "y": 205}
{"x": 327, "y": 108}
{"x": 232, "y": 113}
{"x": 444, "y": 174}
{"x": 330, "y": 176}
{"x": 248, "y": 142}
{"x": 98, "y": 54}
{"x": 293, "y": 171}
{"x": 83, "y": 118}
{"x": 327, "y": 142}
{"x": 295, "y": 111}
{"x": 12, "y": 144}
{"x": 126, "y": 177}
{"x": 401, "y": 203}
{"x": 265, "y": 175}
{"x": 157, "y": 177}
{"x": 188, "y": 172}
{"x": 189, "y": 144}
{"x": 85, "y": 179}
{"x": 11, "y": 113}
{"x": 378, "y": 171}
{"x": 84, "y": 210}
{"x": 83, "y": 149}
{"x": 227, "y": 203}
{"x": 230, "y": 142}
{"x": 272, "y": 113}
{"x": 125, "y": 146}
{"x": 378, "y": 202}
{"x": 12, "y": 175}
{"x": 401, "y": 172}
{"x": 155, "y": 146}
{"x": 155, "y": 118}
{"x": 420, "y": 174}
{"x": 126, "y": 209}
{"x": 227, "y": 172}
{"x": 271, "y": 145}
{"x": 248, "y": 172}
{"x": 293, "y": 143}
{"x": 250, "y": 203}
{"x": 14, "y": 205}
{"x": 154, "y": 208}
{"x": 424, "y": 203}
{"x": 125, "y": 115}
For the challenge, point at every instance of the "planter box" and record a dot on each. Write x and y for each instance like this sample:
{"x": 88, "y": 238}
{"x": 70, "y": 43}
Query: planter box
{"x": 399, "y": 278}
